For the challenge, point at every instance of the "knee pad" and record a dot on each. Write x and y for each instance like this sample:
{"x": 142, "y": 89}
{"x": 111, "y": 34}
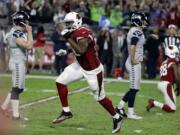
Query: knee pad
{"x": 15, "y": 93}
{"x": 97, "y": 96}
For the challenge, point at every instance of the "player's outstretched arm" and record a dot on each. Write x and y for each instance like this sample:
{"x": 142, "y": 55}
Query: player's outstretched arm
{"x": 79, "y": 47}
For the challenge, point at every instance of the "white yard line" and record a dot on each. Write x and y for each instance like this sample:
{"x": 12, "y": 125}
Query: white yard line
{"x": 24, "y": 106}
{"x": 54, "y": 77}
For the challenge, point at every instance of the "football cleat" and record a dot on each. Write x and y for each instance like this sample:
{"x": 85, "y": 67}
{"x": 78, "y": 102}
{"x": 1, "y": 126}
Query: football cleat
{"x": 117, "y": 124}
{"x": 121, "y": 112}
{"x": 63, "y": 116}
{"x": 134, "y": 116}
{"x": 150, "y": 104}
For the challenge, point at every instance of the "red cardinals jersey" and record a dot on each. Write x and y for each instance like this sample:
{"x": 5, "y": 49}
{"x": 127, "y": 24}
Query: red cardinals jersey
{"x": 89, "y": 60}
{"x": 167, "y": 71}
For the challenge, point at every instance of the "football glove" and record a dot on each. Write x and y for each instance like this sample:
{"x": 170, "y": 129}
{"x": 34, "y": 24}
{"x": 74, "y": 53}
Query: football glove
{"x": 61, "y": 52}
{"x": 66, "y": 33}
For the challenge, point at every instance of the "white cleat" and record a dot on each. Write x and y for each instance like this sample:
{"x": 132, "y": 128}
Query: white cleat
{"x": 134, "y": 117}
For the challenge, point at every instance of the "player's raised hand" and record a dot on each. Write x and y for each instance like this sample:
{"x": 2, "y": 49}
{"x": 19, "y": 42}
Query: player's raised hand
{"x": 28, "y": 28}
{"x": 66, "y": 33}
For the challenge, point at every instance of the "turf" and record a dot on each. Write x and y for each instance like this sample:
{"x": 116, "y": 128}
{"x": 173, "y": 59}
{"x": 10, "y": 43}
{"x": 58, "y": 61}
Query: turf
{"x": 89, "y": 117}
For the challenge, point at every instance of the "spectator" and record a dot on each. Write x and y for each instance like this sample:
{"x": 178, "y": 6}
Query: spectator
{"x": 152, "y": 49}
{"x": 59, "y": 43}
{"x": 118, "y": 41}
{"x": 46, "y": 12}
{"x": 116, "y": 17}
{"x": 59, "y": 15}
{"x": 104, "y": 42}
{"x": 3, "y": 9}
{"x": 34, "y": 12}
{"x": 174, "y": 15}
{"x": 124, "y": 52}
{"x": 39, "y": 48}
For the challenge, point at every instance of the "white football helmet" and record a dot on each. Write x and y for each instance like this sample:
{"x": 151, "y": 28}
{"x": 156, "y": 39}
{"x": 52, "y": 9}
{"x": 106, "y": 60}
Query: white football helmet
{"x": 72, "y": 21}
{"x": 172, "y": 51}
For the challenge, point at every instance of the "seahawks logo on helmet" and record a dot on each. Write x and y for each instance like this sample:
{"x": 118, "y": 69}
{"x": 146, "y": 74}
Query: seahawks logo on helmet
{"x": 20, "y": 18}
{"x": 139, "y": 19}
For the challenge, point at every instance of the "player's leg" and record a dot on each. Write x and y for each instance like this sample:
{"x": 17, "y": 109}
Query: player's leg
{"x": 135, "y": 77}
{"x": 18, "y": 79}
{"x": 96, "y": 83}
{"x": 170, "y": 99}
{"x": 70, "y": 74}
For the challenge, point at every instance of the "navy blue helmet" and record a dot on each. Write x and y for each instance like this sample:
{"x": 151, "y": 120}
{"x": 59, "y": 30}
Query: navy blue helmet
{"x": 20, "y": 18}
{"x": 139, "y": 19}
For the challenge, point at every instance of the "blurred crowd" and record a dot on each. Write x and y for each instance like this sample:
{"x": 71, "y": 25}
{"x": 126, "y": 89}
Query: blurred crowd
{"x": 109, "y": 20}
{"x": 160, "y": 12}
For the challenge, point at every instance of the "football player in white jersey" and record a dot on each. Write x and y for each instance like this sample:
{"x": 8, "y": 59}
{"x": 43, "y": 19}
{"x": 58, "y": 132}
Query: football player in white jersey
{"x": 19, "y": 40}
{"x": 135, "y": 41}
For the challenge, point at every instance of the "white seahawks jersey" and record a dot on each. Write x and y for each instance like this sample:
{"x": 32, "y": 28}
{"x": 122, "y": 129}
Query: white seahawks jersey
{"x": 17, "y": 53}
{"x": 136, "y": 35}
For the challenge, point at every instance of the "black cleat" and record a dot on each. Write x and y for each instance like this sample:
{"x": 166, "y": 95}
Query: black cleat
{"x": 117, "y": 124}
{"x": 63, "y": 116}
{"x": 121, "y": 112}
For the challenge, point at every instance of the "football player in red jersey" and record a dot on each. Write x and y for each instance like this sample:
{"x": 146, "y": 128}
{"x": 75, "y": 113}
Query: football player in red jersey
{"x": 169, "y": 76}
{"x": 87, "y": 65}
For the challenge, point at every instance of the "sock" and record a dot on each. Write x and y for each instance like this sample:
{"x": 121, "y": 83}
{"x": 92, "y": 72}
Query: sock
{"x": 158, "y": 104}
{"x": 15, "y": 107}
{"x": 132, "y": 96}
{"x": 167, "y": 108}
{"x": 63, "y": 94}
{"x": 126, "y": 96}
{"x": 130, "y": 110}
{"x": 107, "y": 104}
{"x": 121, "y": 104}
{"x": 6, "y": 102}
{"x": 66, "y": 109}
{"x": 116, "y": 116}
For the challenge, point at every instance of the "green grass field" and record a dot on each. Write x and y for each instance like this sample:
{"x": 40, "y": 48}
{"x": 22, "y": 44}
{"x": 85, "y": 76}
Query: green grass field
{"x": 89, "y": 117}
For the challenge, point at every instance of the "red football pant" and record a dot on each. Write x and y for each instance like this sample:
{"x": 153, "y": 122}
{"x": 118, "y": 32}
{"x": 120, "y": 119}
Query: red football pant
{"x": 63, "y": 94}
{"x": 107, "y": 104}
{"x": 167, "y": 108}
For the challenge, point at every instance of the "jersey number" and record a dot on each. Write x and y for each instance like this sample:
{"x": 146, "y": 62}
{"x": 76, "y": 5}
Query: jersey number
{"x": 163, "y": 70}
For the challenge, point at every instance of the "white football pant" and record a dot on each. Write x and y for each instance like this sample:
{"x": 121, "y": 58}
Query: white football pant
{"x": 169, "y": 96}
{"x": 94, "y": 78}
